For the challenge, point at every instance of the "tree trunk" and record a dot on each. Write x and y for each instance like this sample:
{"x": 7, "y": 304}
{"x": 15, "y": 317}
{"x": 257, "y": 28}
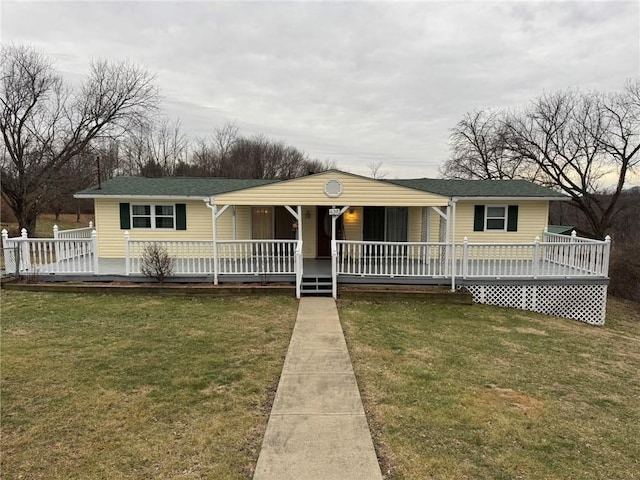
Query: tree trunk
{"x": 27, "y": 217}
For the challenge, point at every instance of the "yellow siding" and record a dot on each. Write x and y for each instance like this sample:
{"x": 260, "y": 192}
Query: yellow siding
{"x": 309, "y": 226}
{"x": 111, "y": 237}
{"x": 415, "y": 224}
{"x": 532, "y": 220}
{"x": 310, "y": 191}
{"x": 353, "y": 225}
{"x": 243, "y": 222}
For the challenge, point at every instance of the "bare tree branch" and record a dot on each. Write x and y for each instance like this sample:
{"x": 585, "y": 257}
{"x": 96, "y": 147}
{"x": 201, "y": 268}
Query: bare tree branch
{"x": 45, "y": 124}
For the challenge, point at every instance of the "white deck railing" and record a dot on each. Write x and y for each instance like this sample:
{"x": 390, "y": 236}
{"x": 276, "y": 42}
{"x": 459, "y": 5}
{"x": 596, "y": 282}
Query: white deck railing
{"x": 204, "y": 257}
{"x": 73, "y": 233}
{"x": 537, "y": 259}
{"x": 50, "y": 255}
{"x": 257, "y": 257}
{"x": 190, "y": 257}
{"x": 391, "y": 259}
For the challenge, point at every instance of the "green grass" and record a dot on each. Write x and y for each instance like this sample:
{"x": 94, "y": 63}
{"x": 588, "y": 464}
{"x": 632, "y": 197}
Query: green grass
{"x": 455, "y": 392}
{"x": 108, "y": 386}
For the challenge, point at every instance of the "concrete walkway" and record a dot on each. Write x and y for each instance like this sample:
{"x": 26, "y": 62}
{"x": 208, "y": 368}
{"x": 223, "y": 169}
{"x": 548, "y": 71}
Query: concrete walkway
{"x": 317, "y": 428}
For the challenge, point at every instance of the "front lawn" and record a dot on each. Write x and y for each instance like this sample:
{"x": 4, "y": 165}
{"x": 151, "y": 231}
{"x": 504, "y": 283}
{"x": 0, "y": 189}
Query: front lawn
{"x": 470, "y": 392}
{"x": 109, "y": 386}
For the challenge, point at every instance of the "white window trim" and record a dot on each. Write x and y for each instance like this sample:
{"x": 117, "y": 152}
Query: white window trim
{"x": 505, "y": 218}
{"x": 152, "y": 207}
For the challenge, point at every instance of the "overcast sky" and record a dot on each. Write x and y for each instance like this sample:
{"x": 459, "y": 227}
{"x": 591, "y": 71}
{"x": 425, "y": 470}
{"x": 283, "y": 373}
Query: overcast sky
{"x": 354, "y": 82}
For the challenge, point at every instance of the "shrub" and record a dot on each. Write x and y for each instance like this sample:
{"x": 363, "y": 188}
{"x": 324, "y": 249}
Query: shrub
{"x": 156, "y": 262}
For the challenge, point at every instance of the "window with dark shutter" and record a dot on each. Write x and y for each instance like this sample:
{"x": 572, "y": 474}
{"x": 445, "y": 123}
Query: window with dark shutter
{"x": 478, "y": 218}
{"x": 181, "y": 216}
{"x": 125, "y": 217}
{"x": 512, "y": 218}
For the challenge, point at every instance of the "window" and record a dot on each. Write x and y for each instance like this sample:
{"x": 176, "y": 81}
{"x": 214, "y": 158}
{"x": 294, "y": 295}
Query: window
{"x": 152, "y": 216}
{"x": 164, "y": 216}
{"x": 496, "y": 218}
{"x": 385, "y": 224}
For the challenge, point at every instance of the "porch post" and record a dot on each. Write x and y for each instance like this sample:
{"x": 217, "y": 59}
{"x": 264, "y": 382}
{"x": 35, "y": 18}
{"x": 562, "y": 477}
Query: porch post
{"x": 56, "y": 245}
{"x": 465, "y": 258}
{"x": 127, "y": 266}
{"x": 233, "y": 221}
{"x": 607, "y": 251}
{"x": 453, "y": 244}
{"x": 94, "y": 248}
{"x": 447, "y": 236}
{"x": 334, "y": 252}
{"x": 299, "y": 258}
{"x": 7, "y": 252}
{"x": 25, "y": 258}
{"x": 214, "y": 218}
{"x": 536, "y": 257}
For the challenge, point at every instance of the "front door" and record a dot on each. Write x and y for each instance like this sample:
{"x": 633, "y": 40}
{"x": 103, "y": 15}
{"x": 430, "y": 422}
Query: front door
{"x": 323, "y": 229}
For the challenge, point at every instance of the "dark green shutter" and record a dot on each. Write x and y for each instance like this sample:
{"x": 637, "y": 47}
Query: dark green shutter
{"x": 512, "y": 218}
{"x": 181, "y": 216}
{"x": 478, "y": 218}
{"x": 125, "y": 216}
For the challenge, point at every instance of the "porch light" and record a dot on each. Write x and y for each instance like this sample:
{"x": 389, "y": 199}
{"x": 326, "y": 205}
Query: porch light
{"x": 351, "y": 215}
{"x": 307, "y": 214}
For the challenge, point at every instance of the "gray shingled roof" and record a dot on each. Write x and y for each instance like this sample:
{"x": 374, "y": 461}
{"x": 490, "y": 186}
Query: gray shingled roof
{"x": 171, "y": 186}
{"x": 205, "y": 187}
{"x": 478, "y": 188}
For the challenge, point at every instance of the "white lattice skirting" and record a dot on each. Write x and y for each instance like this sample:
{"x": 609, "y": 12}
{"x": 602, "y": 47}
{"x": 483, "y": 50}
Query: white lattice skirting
{"x": 587, "y": 303}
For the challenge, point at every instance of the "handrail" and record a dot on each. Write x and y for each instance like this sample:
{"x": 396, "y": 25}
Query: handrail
{"x": 559, "y": 259}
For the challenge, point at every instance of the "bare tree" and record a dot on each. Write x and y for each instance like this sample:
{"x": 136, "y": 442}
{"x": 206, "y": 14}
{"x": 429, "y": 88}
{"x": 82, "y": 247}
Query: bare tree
{"x": 45, "y": 123}
{"x": 478, "y": 150}
{"x": 581, "y": 143}
{"x": 375, "y": 170}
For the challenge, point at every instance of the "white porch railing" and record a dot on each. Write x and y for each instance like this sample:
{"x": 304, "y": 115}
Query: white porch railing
{"x": 50, "y": 255}
{"x": 557, "y": 259}
{"x": 392, "y": 259}
{"x": 73, "y": 233}
{"x": 190, "y": 257}
{"x": 257, "y": 257}
{"x": 205, "y": 257}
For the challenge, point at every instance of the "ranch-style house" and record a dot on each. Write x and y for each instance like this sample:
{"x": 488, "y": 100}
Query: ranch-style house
{"x": 326, "y": 230}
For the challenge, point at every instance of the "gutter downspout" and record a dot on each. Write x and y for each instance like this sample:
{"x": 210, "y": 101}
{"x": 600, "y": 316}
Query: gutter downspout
{"x": 209, "y": 202}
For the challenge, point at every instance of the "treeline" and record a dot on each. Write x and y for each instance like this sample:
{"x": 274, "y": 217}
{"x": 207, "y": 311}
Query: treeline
{"x": 58, "y": 138}
{"x": 162, "y": 149}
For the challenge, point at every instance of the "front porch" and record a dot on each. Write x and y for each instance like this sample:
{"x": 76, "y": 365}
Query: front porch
{"x": 553, "y": 257}
{"x": 560, "y": 275}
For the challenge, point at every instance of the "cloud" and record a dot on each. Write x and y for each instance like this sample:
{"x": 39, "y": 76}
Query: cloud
{"x": 354, "y": 82}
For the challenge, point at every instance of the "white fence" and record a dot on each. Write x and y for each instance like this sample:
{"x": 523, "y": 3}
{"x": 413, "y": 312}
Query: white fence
{"x": 391, "y": 259}
{"x": 205, "y": 257}
{"x": 556, "y": 259}
{"x": 257, "y": 257}
{"x": 66, "y": 254}
{"x": 74, "y": 233}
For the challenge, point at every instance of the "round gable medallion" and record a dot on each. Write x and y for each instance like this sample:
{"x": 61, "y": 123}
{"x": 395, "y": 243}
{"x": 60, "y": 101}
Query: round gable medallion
{"x": 333, "y": 188}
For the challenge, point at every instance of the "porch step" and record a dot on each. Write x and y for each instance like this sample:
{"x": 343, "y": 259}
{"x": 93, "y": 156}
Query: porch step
{"x": 316, "y": 285}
